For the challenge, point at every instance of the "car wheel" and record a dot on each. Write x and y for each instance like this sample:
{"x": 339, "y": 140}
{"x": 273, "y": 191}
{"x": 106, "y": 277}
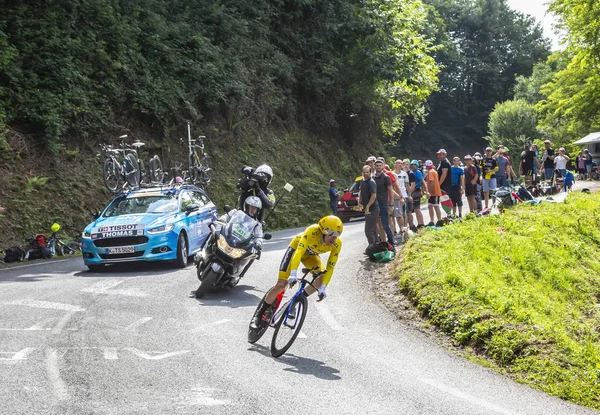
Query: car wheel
{"x": 96, "y": 267}
{"x": 182, "y": 252}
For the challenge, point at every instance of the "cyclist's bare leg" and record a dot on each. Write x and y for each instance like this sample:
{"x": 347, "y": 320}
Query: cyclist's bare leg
{"x": 275, "y": 290}
{"x": 317, "y": 283}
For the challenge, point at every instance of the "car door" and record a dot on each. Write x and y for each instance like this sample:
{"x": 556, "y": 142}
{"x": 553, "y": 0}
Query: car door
{"x": 207, "y": 213}
{"x": 192, "y": 221}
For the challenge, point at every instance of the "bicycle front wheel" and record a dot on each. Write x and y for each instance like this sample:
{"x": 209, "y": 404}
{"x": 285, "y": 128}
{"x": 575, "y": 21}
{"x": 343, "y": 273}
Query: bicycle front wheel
{"x": 132, "y": 170}
{"x": 69, "y": 248}
{"x": 111, "y": 175}
{"x": 287, "y": 329}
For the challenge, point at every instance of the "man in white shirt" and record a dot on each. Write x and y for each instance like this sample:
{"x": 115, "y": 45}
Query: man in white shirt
{"x": 560, "y": 162}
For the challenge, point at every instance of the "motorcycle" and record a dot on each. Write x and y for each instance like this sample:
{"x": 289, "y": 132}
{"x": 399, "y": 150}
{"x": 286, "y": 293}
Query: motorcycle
{"x": 226, "y": 252}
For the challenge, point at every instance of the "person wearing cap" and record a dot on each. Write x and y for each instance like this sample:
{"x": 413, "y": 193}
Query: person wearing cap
{"x": 419, "y": 187}
{"x": 367, "y": 202}
{"x": 560, "y": 162}
{"x": 371, "y": 163}
{"x": 528, "y": 164}
{"x": 444, "y": 171}
{"x": 471, "y": 179}
{"x": 489, "y": 167}
{"x": 547, "y": 161}
{"x": 385, "y": 199}
{"x": 434, "y": 191}
{"x": 334, "y": 195}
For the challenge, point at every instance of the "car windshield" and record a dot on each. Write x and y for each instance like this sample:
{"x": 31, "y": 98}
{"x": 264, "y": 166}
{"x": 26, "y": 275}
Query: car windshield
{"x": 354, "y": 187}
{"x": 155, "y": 204}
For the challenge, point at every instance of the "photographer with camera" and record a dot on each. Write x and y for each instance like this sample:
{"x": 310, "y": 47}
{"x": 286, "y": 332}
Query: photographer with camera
{"x": 255, "y": 183}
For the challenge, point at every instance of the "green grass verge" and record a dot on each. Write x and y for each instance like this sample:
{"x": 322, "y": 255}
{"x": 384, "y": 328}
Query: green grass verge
{"x": 521, "y": 289}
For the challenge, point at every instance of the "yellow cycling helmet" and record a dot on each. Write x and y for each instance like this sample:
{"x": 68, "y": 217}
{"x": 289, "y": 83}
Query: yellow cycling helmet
{"x": 331, "y": 226}
{"x": 55, "y": 227}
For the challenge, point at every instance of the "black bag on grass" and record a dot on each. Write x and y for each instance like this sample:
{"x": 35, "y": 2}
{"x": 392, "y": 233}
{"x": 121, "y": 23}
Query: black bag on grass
{"x": 377, "y": 247}
{"x": 13, "y": 254}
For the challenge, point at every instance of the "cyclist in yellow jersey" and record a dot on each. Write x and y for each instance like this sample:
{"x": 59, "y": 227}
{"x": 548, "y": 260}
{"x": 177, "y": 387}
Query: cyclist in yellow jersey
{"x": 306, "y": 247}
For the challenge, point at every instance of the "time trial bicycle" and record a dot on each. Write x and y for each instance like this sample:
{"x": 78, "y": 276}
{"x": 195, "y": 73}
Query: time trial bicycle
{"x": 287, "y": 319}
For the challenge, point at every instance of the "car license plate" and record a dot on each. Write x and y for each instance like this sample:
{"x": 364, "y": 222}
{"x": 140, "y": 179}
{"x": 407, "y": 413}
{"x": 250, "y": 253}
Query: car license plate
{"x": 120, "y": 250}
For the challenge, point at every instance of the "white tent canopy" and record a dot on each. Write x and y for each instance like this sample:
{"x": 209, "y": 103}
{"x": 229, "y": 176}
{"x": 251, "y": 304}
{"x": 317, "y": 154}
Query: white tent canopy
{"x": 588, "y": 139}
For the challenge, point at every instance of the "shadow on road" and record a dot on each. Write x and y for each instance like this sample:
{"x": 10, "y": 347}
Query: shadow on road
{"x": 300, "y": 365}
{"x": 239, "y": 296}
{"x": 132, "y": 269}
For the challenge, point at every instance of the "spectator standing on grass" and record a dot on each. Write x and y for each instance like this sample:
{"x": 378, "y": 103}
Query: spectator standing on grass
{"x": 489, "y": 167}
{"x": 385, "y": 199}
{"x": 478, "y": 186}
{"x": 444, "y": 171}
{"x": 588, "y": 163}
{"x": 548, "y": 160}
{"x": 420, "y": 187}
{"x": 434, "y": 191}
{"x": 367, "y": 202}
{"x": 503, "y": 168}
{"x": 561, "y": 161}
{"x": 471, "y": 178}
{"x": 401, "y": 199}
{"x": 334, "y": 195}
{"x": 580, "y": 164}
{"x": 371, "y": 163}
{"x": 410, "y": 188}
{"x": 396, "y": 190}
{"x": 458, "y": 187}
{"x": 528, "y": 164}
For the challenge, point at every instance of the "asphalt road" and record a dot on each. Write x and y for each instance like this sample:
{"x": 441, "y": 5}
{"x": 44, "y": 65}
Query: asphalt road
{"x": 130, "y": 341}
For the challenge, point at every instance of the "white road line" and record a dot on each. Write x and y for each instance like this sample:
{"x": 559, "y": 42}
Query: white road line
{"x": 62, "y": 323}
{"x": 110, "y": 353}
{"x": 146, "y": 355}
{"x": 46, "y": 304}
{"x": 106, "y": 287}
{"x": 466, "y": 397}
{"x": 134, "y": 326}
{"x": 203, "y": 396}
{"x": 35, "y": 265}
{"x": 59, "y": 385}
{"x": 29, "y": 329}
{"x": 301, "y": 335}
{"x": 18, "y": 356}
{"x": 328, "y": 317}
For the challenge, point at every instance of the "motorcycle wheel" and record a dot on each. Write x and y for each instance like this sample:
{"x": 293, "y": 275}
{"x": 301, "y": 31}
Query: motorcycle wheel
{"x": 207, "y": 283}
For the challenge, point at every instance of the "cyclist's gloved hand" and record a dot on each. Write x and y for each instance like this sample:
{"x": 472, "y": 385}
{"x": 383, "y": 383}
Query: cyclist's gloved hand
{"x": 293, "y": 279}
{"x": 322, "y": 293}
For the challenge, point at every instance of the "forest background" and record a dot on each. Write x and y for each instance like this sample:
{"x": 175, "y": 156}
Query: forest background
{"x": 309, "y": 87}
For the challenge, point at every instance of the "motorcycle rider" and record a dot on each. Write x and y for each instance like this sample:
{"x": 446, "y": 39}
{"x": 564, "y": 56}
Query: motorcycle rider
{"x": 256, "y": 183}
{"x": 252, "y": 206}
{"x": 306, "y": 247}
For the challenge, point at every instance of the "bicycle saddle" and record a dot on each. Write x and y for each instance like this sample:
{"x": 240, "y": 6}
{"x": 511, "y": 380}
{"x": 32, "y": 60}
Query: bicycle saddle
{"x": 138, "y": 144}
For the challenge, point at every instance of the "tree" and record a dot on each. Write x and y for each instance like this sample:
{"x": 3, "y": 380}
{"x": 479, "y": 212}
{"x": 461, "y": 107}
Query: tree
{"x": 511, "y": 123}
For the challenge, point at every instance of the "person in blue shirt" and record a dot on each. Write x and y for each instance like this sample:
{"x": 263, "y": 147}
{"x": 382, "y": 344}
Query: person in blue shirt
{"x": 420, "y": 186}
{"x": 334, "y": 195}
{"x": 458, "y": 186}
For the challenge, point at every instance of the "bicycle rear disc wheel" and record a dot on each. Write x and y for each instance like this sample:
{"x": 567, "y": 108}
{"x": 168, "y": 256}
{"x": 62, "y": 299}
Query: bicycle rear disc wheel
{"x": 132, "y": 170}
{"x": 111, "y": 175}
{"x": 286, "y": 329}
{"x": 156, "y": 169}
{"x": 255, "y": 335}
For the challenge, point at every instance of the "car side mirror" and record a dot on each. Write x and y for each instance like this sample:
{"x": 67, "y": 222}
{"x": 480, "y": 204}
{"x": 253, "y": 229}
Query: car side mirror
{"x": 267, "y": 236}
{"x": 191, "y": 208}
{"x": 227, "y": 208}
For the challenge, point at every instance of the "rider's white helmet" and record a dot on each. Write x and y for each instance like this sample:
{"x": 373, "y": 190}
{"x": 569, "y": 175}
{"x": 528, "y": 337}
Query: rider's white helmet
{"x": 252, "y": 201}
{"x": 265, "y": 170}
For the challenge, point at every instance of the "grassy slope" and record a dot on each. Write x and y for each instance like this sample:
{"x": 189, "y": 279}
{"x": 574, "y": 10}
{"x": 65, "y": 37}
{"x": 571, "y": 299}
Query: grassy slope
{"x": 74, "y": 183}
{"x": 521, "y": 290}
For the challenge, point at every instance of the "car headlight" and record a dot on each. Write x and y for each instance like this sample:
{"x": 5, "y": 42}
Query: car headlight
{"x": 232, "y": 252}
{"x": 86, "y": 235}
{"x": 161, "y": 229}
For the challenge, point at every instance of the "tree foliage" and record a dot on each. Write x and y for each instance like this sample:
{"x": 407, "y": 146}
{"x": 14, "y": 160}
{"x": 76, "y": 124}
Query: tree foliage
{"x": 512, "y": 123}
{"x": 485, "y": 45}
{"x": 73, "y": 68}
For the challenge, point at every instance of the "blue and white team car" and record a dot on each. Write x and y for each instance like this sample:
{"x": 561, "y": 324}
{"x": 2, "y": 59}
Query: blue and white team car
{"x": 154, "y": 224}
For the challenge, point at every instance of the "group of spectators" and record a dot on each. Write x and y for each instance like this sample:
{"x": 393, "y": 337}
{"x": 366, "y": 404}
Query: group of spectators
{"x": 391, "y": 199}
